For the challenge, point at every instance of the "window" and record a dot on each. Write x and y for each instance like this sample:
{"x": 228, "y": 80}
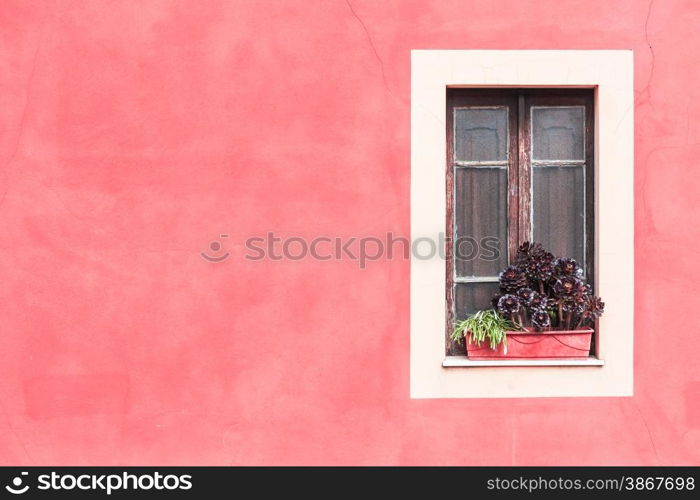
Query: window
{"x": 519, "y": 168}
{"x": 606, "y": 79}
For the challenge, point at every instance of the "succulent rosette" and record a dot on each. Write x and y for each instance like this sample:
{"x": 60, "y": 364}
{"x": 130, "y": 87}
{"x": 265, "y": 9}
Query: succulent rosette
{"x": 538, "y": 302}
{"x": 593, "y": 308}
{"x": 540, "y": 319}
{"x": 508, "y": 304}
{"x": 581, "y": 294}
{"x": 537, "y": 264}
{"x": 525, "y": 295}
{"x": 542, "y": 268}
{"x": 529, "y": 250}
{"x": 566, "y": 287}
{"x": 571, "y": 306}
{"x": 511, "y": 279}
{"x": 567, "y": 267}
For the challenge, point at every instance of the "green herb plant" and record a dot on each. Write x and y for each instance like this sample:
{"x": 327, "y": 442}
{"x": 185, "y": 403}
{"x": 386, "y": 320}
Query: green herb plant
{"x": 485, "y": 325}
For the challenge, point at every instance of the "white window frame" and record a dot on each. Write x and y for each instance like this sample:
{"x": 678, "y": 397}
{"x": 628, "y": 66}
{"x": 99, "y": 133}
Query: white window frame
{"x": 610, "y": 74}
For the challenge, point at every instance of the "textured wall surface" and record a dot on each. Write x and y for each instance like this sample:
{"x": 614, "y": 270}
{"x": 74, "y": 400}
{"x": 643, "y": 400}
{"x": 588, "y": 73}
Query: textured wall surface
{"x": 134, "y": 133}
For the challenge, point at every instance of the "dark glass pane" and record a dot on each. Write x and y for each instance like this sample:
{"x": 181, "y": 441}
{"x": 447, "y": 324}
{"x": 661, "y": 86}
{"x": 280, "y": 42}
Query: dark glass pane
{"x": 471, "y": 297}
{"x": 557, "y": 133}
{"x": 481, "y": 221}
{"x": 481, "y": 134}
{"x": 558, "y": 210}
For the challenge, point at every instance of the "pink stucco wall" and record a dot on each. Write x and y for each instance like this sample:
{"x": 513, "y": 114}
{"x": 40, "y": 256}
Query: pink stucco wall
{"x": 134, "y": 133}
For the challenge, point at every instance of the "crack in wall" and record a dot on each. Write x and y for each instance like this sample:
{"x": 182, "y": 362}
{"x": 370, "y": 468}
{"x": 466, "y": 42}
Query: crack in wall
{"x": 25, "y": 110}
{"x": 402, "y": 100}
{"x": 371, "y": 43}
{"x": 646, "y": 425}
{"x": 646, "y": 90}
{"x": 16, "y": 434}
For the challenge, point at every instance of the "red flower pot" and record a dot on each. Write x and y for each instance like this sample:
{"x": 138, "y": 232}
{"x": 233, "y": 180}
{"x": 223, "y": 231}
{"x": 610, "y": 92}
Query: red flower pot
{"x": 531, "y": 344}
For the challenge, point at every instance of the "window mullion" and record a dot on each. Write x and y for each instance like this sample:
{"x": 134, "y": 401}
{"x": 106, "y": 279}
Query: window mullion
{"x": 524, "y": 172}
{"x": 513, "y": 180}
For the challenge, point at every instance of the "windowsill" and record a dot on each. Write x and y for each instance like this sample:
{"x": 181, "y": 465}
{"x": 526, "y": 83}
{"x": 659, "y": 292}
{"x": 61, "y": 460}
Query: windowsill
{"x": 463, "y": 362}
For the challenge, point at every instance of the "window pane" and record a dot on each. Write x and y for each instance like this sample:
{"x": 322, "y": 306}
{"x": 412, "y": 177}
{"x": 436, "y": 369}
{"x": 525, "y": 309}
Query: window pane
{"x": 481, "y": 221}
{"x": 471, "y": 297}
{"x": 481, "y": 134}
{"x": 557, "y": 133}
{"x": 558, "y": 210}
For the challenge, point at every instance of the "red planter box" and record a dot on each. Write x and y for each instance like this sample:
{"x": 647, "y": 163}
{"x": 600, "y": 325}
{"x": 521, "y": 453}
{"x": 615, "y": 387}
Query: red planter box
{"x": 568, "y": 344}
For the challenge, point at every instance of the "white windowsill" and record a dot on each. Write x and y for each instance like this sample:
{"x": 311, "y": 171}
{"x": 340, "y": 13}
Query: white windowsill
{"x": 462, "y": 361}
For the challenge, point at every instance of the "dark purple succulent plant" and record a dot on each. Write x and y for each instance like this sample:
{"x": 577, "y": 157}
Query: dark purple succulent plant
{"x": 510, "y": 307}
{"x": 529, "y": 250}
{"x": 566, "y": 287}
{"x": 525, "y": 295}
{"x": 538, "y": 302}
{"x": 537, "y": 264}
{"x": 592, "y": 309}
{"x": 511, "y": 279}
{"x": 541, "y": 291}
{"x": 567, "y": 267}
{"x": 508, "y": 304}
{"x": 541, "y": 319}
{"x": 542, "y": 269}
